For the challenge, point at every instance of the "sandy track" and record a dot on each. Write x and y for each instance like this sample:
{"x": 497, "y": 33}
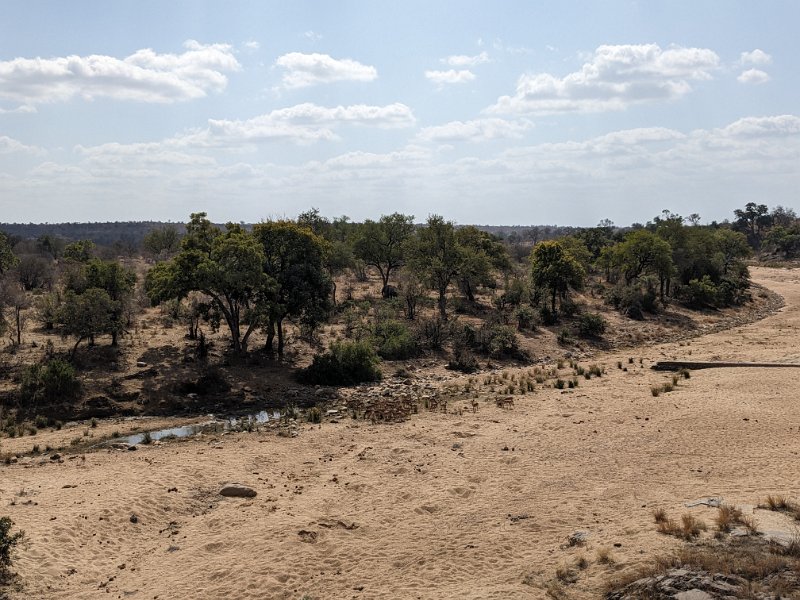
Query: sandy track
{"x": 442, "y": 506}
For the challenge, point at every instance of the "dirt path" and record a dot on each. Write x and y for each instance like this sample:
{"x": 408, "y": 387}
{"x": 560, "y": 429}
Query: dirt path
{"x": 442, "y": 506}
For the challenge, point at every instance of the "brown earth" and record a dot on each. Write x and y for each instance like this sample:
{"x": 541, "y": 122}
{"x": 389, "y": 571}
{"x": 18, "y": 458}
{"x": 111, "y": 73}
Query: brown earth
{"x": 465, "y": 505}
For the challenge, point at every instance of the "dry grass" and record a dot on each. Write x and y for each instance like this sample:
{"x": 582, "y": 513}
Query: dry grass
{"x": 604, "y": 556}
{"x": 782, "y": 504}
{"x": 770, "y": 570}
{"x": 689, "y": 528}
{"x": 728, "y": 516}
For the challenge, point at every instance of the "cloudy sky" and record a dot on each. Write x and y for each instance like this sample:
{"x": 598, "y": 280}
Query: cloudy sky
{"x": 493, "y": 112}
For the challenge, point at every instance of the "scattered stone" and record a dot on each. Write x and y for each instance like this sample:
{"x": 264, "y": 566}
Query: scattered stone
{"x": 713, "y": 502}
{"x": 578, "y": 538}
{"x": 55, "y": 456}
{"x": 134, "y": 518}
{"x": 237, "y": 490}
{"x": 141, "y": 364}
{"x": 309, "y": 537}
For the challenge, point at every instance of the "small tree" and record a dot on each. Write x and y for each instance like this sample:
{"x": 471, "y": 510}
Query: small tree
{"x": 555, "y": 270}
{"x": 437, "y": 257}
{"x": 87, "y": 315}
{"x": 382, "y": 244}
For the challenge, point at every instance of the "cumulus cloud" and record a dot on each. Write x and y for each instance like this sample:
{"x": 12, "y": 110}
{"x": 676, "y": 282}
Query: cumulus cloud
{"x": 305, "y": 123}
{"x": 11, "y": 146}
{"x": 614, "y": 78}
{"x": 303, "y": 70}
{"x": 144, "y": 76}
{"x": 753, "y": 77}
{"x": 462, "y": 60}
{"x": 478, "y": 130}
{"x": 252, "y": 45}
{"x": 450, "y": 76}
{"x": 756, "y": 57}
{"x": 775, "y": 126}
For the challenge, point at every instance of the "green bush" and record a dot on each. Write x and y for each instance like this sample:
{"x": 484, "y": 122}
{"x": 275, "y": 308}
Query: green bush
{"x": 525, "y": 317}
{"x": 591, "y": 325}
{"x": 50, "y": 382}
{"x": 8, "y": 544}
{"x": 497, "y": 341}
{"x": 699, "y": 293}
{"x": 394, "y": 340}
{"x": 346, "y": 363}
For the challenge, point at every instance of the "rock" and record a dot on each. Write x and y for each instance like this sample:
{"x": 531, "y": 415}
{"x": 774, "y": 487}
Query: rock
{"x": 55, "y": 456}
{"x": 237, "y": 490}
{"x": 134, "y": 518}
{"x": 141, "y": 364}
{"x": 712, "y": 502}
{"x": 694, "y": 594}
{"x": 578, "y": 537}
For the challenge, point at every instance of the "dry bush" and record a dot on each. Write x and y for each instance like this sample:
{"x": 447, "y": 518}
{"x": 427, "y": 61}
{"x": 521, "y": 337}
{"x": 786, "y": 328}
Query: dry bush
{"x": 659, "y": 515}
{"x": 688, "y": 529}
{"x": 781, "y": 503}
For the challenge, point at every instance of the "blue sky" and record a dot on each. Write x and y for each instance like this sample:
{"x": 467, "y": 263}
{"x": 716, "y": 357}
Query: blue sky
{"x": 485, "y": 112}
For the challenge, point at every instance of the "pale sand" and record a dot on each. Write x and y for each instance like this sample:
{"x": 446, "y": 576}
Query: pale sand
{"x": 431, "y": 520}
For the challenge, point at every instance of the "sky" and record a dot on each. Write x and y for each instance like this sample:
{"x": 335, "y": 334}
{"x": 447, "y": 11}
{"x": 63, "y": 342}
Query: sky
{"x": 503, "y": 112}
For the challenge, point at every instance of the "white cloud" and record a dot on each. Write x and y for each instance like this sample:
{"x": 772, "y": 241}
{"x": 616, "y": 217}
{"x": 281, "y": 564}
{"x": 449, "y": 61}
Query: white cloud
{"x": 389, "y": 116}
{"x": 753, "y": 77}
{"x": 303, "y": 70}
{"x": 614, "y": 78}
{"x": 756, "y": 57}
{"x": 11, "y": 146}
{"x": 461, "y": 60}
{"x": 478, "y": 130}
{"x": 312, "y": 35}
{"x": 776, "y": 126}
{"x": 144, "y": 76}
{"x": 442, "y": 78}
{"x": 252, "y": 45}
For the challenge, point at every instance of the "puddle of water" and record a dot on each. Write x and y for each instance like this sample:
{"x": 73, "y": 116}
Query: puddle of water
{"x": 183, "y": 431}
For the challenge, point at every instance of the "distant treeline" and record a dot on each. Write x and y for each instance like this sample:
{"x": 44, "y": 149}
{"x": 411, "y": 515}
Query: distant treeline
{"x": 131, "y": 233}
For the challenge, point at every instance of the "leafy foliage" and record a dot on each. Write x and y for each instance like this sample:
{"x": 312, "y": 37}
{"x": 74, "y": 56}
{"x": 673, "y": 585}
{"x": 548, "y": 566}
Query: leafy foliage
{"x": 8, "y": 545}
{"x": 47, "y": 383}
{"x": 346, "y": 363}
{"x": 556, "y": 270}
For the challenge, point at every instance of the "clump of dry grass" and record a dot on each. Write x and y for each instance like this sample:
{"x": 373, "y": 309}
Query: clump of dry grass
{"x": 688, "y": 529}
{"x": 659, "y": 515}
{"x": 604, "y": 556}
{"x": 782, "y": 504}
{"x": 728, "y": 516}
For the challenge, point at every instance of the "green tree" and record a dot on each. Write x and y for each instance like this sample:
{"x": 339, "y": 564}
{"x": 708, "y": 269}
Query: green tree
{"x": 226, "y": 266}
{"x": 437, "y": 257}
{"x": 753, "y": 220}
{"x": 382, "y": 244}
{"x": 87, "y": 315}
{"x": 118, "y": 282}
{"x": 80, "y": 251}
{"x": 7, "y": 258}
{"x": 483, "y": 255}
{"x": 294, "y": 263}
{"x": 555, "y": 270}
{"x": 162, "y": 242}
{"x": 643, "y": 252}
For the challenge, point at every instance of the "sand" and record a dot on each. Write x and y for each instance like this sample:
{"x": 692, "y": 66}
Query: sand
{"x": 478, "y": 505}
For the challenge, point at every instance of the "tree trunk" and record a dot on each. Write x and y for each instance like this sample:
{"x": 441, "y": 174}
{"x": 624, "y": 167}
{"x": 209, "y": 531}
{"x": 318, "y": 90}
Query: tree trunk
{"x": 279, "y": 323}
{"x": 270, "y": 336}
{"x": 443, "y": 304}
{"x": 553, "y": 301}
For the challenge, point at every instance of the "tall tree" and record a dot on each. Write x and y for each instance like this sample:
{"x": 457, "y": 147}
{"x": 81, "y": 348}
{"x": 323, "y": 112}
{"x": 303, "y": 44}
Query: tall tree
{"x": 227, "y": 266}
{"x": 437, "y": 257}
{"x": 7, "y": 258}
{"x": 555, "y": 270}
{"x": 645, "y": 252}
{"x": 382, "y": 244}
{"x": 294, "y": 262}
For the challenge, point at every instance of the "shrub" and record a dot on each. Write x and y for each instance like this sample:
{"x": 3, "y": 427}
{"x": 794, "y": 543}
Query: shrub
{"x": 564, "y": 336}
{"x": 497, "y": 341}
{"x": 47, "y": 383}
{"x": 314, "y": 415}
{"x": 394, "y": 340}
{"x": 547, "y": 316}
{"x": 699, "y": 293}
{"x": 432, "y": 333}
{"x": 346, "y": 363}
{"x": 463, "y": 359}
{"x": 591, "y": 325}
{"x": 8, "y": 545}
{"x": 525, "y": 318}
